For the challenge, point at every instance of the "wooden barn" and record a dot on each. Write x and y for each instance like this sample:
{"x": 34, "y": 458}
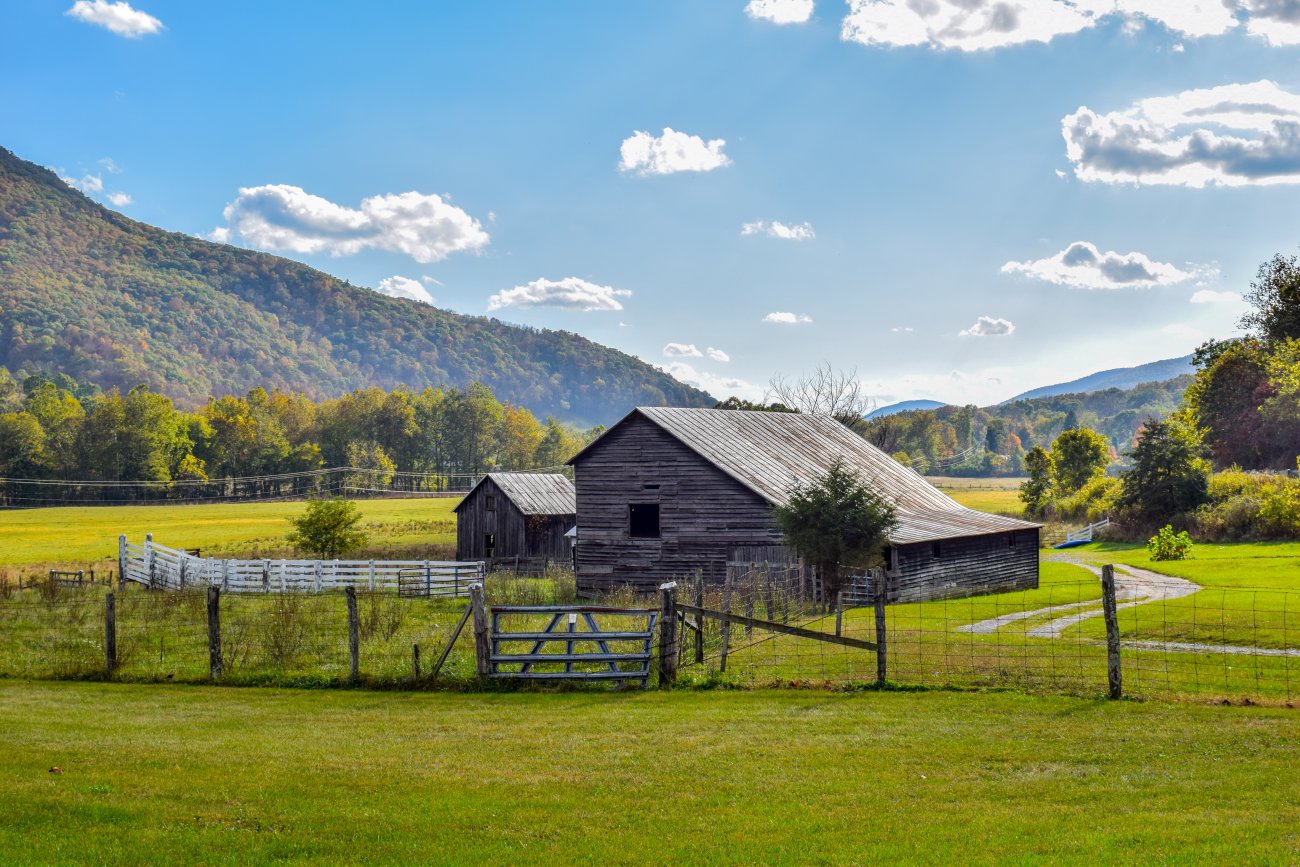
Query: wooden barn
{"x": 667, "y": 491}
{"x": 520, "y": 517}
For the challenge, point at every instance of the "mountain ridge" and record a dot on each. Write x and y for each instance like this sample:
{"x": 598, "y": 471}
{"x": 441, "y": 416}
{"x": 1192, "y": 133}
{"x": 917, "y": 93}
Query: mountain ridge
{"x": 110, "y": 300}
{"x": 1119, "y": 377}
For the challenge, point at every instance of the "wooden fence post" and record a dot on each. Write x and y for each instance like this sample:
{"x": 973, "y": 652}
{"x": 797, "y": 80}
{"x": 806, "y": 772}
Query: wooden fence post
{"x": 879, "y": 586}
{"x": 415, "y": 662}
{"x": 354, "y": 635}
{"x": 214, "y": 633}
{"x": 839, "y": 613}
{"x": 726, "y": 624}
{"x": 1114, "y": 674}
{"x": 699, "y": 621}
{"x": 149, "y": 563}
{"x": 482, "y": 638}
{"x": 121, "y": 561}
{"x": 667, "y": 634}
{"x": 110, "y": 635}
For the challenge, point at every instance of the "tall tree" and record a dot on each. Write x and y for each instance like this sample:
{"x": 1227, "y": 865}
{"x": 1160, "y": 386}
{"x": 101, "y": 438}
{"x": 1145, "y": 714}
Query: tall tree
{"x": 1275, "y": 295}
{"x": 826, "y": 391}
{"x": 1079, "y": 455}
{"x": 1169, "y": 477}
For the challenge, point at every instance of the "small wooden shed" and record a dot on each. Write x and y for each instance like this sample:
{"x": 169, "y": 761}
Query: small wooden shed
{"x": 668, "y": 491}
{"x": 516, "y": 516}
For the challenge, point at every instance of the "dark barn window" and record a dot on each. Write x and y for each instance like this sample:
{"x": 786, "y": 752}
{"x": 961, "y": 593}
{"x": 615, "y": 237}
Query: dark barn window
{"x": 643, "y": 520}
{"x": 936, "y": 550}
{"x": 489, "y": 544}
{"x": 1011, "y": 540}
{"x": 491, "y": 504}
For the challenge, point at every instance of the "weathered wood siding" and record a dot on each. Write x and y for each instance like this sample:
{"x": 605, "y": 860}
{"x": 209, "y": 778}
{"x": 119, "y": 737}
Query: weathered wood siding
{"x": 703, "y": 513}
{"x": 517, "y": 534}
{"x": 966, "y": 566}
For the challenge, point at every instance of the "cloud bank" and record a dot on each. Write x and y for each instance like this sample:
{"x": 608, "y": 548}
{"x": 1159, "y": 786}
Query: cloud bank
{"x": 1082, "y": 266}
{"x": 404, "y": 287}
{"x": 672, "y": 152}
{"x": 117, "y": 18}
{"x": 780, "y": 11}
{"x": 987, "y": 326}
{"x": 982, "y": 25}
{"x": 784, "y": 318}
{"x": 777, "y": 229}
{"x": 1234, "y": 135}
{"x": 571, "y": 293}
{"x": 283, "y": 217}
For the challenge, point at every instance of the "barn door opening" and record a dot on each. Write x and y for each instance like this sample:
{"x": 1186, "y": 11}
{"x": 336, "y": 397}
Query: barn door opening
{"x": 489, "y": 545}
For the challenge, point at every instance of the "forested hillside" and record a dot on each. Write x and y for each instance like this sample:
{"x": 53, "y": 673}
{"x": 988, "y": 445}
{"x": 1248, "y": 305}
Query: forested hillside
{"x": 968, "y": 440}
{"x": 107, "y": 300}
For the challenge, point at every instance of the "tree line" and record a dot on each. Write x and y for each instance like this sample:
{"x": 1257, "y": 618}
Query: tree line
{"x": 53, "y": 428}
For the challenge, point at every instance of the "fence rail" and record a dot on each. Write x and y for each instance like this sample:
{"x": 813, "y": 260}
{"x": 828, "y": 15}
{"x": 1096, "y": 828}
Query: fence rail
{"x": 162, "y": 568}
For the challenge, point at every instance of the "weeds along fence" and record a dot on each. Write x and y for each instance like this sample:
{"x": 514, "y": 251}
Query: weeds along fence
{"x": 200, "y": 634}
{"x": 1133, "y": 636}
{"x": 161, "y": 568}
{"x": 1136, "y": 636}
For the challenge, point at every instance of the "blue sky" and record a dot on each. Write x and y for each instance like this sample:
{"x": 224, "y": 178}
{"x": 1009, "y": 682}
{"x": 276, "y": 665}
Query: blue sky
{"x": 962, "y": 199}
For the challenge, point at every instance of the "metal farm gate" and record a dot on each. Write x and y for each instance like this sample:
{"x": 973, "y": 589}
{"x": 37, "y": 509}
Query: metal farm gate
{"x": 568, "y": 642}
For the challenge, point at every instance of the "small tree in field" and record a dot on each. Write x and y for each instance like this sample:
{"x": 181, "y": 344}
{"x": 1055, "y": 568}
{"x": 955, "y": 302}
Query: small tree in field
{"x": 1036, "y": 491}
{"x": 1079, "y": 455}
{"x": 834, "y": 521}
{"x": 328, "y": 529}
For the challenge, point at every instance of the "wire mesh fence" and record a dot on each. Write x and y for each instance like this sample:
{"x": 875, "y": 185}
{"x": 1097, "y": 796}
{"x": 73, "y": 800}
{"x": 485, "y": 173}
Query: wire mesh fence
{"x": 761, "y": 627}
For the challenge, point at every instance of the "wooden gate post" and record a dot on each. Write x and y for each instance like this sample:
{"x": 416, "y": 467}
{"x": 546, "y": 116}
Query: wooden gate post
{"x": 110, "y": 635}
{"x": 726, "y": 624}
{"x": 839, "y": 613}
{"x": 1114, "y": 674}
{"x": 354, "y": 636}
{"x": 482, "y": 637}
{"x": 415, "y": 662}
{"x": 667, "y": 634}
{"x": 880, "y": 589}
{"x": 121, "y": 561}
{"x": 214, "y": 633}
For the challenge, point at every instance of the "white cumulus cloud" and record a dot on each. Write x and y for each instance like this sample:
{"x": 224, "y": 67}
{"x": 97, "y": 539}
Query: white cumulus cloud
{"x": 1210, "y": 296}
{"x": 776, "y": 229}
{"x": 87, "y": 183}
{"x": 902, "y": 329}
{"x": 282, "y": 217}
{"x": 980, "y": 25}
{"x": 1083, "y": 266}
{"x": 780, "y": 11}
{"x": 1234, "y": 135}
{"x": 571, "y": 293}
{"x": 718, "y": 386}
{"x": 671, "y": 152}
{"x": 717, "y": 354}
{"x": 404, "y": 287}
{"x": 987, "y": 326}
{"x": 783, "y": 318}
{"x": 118, "y": 17}
{"x": 120, "y": 199}
{"x": 682, "y": 350}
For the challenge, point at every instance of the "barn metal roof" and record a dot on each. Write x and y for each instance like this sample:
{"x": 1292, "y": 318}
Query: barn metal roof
{"x": 534, "y": 493}
{"x": 771, "y": 452}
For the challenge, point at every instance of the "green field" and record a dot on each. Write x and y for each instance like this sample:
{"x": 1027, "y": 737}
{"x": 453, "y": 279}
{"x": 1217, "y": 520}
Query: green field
{"x": 88, "y": 534}
{"x": 157, "y": 774}
{"x": 999, "y": 502}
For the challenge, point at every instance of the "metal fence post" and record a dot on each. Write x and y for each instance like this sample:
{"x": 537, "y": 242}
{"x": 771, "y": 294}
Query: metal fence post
{"x": 668, "y": 634}
{"x": 354, "y": 636}
{"x": 482, "y": 639}
{"x": 110, "y": 635}
{"x": 880, "y": 589}
{"x": 214, "y": 632}
{"x": 1114, "y": 674}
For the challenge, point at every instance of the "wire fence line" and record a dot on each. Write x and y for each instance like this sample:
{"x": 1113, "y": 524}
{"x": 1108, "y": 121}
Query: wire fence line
{"x": 758, "y": 629}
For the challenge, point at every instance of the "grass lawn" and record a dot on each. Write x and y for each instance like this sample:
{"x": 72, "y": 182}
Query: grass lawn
{"x": 170, "y": 774}
{"x": 999, "y": 502}
{"x": 87, "y": 534}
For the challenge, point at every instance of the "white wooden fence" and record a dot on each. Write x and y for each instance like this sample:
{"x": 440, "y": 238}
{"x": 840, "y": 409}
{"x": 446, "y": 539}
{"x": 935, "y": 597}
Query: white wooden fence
{"x": 162, "y": 568}
{"x": 1085, "y": 534}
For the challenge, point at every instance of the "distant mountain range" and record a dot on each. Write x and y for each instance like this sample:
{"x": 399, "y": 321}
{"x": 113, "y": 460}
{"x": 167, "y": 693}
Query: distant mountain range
{"x": 114, "y": 302}
{"x": 904, "y": 406}
{"x": 1120, "y": 377}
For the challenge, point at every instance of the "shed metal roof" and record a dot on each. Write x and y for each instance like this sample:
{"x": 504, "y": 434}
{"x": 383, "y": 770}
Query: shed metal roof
{"x": 533, "y": 493}
{"x": 771, "y": 452}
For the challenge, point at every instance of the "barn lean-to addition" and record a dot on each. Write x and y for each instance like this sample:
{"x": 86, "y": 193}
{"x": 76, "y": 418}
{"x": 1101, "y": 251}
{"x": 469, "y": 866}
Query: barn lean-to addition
{"x": 516, "y": 516}
{"x": 668, "y": 491}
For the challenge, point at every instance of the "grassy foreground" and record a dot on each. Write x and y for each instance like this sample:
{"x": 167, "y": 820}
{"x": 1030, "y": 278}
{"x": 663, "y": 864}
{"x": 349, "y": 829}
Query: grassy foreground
{"x": 210, "y": 775}
{"x": 78, "y": 534}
